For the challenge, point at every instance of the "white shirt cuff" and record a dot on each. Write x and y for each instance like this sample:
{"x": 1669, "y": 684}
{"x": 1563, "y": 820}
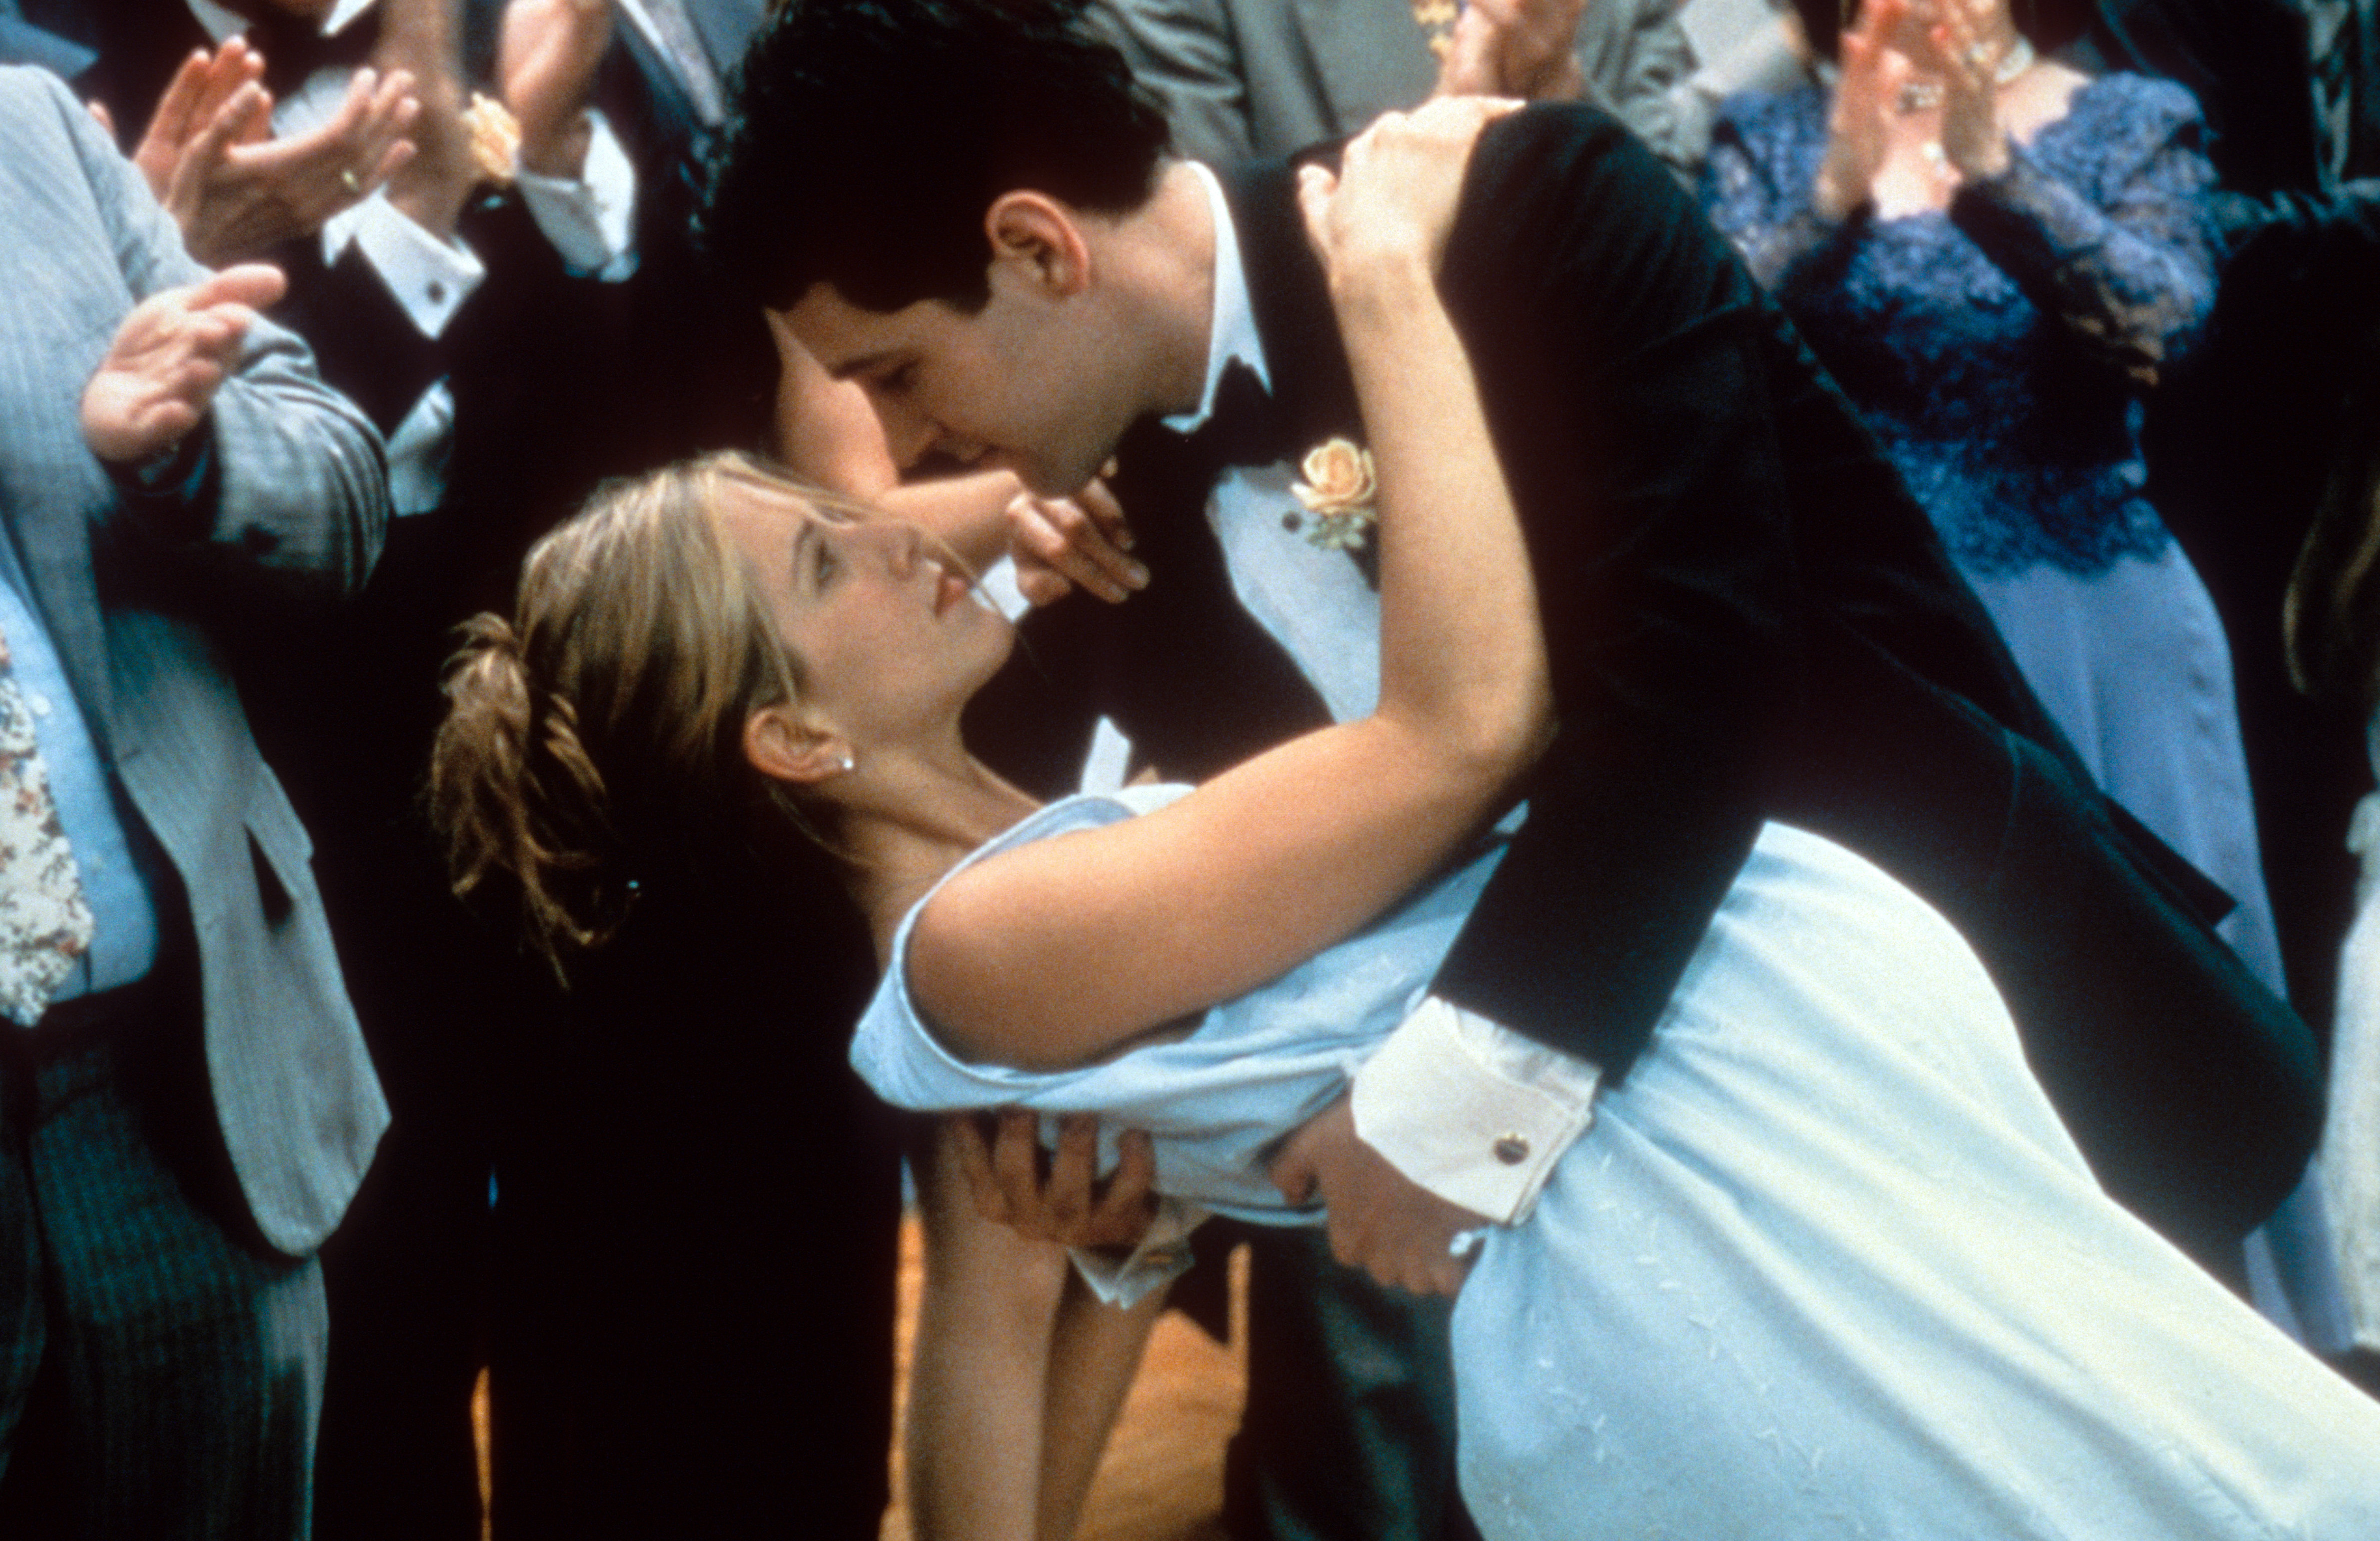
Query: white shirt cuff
{"x": 1473, "y": 1111}
{"x": 429, "y": 277}
{"x": 1162, "y": 1256}
{"x": 586, "y": 217}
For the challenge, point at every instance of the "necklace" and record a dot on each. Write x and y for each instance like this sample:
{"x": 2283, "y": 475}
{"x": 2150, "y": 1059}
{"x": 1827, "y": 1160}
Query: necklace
{"x": 1924, "y": 96}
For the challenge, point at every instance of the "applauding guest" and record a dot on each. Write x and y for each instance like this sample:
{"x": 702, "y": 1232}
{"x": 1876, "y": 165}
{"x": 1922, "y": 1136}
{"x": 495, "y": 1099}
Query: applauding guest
{"x": 185, "y": 1103}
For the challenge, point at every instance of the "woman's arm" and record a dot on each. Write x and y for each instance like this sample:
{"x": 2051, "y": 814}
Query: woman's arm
{"x": 1054, "y": 952}
{"x": 2132, "y": 277}
{"x": 827, "y": 433}
{"x": 1018, "y": 1371}
{"x": 2131, "y": 281}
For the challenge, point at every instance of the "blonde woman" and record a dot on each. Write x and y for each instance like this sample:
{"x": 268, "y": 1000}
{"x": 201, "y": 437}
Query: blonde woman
{"x": 1826, "y": 1263}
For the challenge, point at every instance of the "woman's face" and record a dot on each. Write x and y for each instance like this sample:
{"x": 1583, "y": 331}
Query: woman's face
{"x": 891, "y": 637}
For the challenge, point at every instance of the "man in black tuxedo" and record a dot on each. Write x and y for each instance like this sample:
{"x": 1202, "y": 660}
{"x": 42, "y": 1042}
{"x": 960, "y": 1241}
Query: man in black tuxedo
{"x": 1748, "y": 615}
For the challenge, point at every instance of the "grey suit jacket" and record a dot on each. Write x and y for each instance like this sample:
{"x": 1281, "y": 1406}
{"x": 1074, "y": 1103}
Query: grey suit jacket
{"x": 130, "y": 585}
{"x": 1243, "y": 79}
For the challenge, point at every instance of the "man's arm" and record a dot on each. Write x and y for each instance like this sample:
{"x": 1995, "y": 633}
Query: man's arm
{"x": 1621, "y": 350}
{"x": 574, "y": 176}
{"x": 276, "y": 474}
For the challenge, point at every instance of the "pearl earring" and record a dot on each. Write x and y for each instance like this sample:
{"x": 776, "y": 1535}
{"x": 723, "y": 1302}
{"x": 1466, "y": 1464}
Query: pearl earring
{"x": 848, "y": 763}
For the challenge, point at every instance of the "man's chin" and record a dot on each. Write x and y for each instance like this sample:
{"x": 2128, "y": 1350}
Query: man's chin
{"x": 1045, "y": 481}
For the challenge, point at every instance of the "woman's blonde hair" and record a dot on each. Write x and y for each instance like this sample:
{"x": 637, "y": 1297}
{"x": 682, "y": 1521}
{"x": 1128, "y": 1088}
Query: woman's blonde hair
{"x": 602, "y": 727}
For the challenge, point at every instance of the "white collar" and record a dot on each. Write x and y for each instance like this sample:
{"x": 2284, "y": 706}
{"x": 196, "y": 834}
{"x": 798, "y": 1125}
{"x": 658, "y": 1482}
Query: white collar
{"x": 1232, "y": 331}
{"x": 221, "y": 24}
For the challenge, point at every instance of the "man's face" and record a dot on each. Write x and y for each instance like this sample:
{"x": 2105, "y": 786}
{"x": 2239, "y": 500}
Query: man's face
{"x": 1029, "y": 383}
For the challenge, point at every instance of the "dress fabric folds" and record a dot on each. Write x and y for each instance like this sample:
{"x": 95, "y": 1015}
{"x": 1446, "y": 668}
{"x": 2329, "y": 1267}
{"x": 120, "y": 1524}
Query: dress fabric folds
{"x": 1826, "y": 1264}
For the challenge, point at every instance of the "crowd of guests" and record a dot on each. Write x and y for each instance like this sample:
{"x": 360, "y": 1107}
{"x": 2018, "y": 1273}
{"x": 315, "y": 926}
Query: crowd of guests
{"x": 316, "y": 316}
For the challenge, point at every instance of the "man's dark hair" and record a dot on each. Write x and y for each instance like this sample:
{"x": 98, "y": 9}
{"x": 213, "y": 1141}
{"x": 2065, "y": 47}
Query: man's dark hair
{"x": 869, "y": 137}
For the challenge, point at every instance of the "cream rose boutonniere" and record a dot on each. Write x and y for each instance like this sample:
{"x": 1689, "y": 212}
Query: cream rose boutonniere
{"x": 1341, "y": 492}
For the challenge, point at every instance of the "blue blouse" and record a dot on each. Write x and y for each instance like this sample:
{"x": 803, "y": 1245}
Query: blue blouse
{"x": 1997, "y": 348}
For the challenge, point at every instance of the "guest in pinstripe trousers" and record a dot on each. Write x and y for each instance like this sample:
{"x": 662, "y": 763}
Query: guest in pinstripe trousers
{"x": 185, "y": 1102}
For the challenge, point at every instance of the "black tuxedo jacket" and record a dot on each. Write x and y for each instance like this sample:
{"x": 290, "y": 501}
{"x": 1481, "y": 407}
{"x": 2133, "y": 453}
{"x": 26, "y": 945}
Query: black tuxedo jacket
{"x": 1748, "y": 618}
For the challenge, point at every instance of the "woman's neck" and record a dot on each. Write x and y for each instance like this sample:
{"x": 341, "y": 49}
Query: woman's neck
{"x": 912, "y": 825}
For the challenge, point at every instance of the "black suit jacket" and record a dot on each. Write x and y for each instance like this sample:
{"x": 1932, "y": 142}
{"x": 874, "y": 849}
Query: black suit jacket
{"x": 1748, "y": 618}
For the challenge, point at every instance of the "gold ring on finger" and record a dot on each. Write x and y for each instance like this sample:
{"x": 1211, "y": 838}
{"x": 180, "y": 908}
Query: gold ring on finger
{"x": 349, "y": 180}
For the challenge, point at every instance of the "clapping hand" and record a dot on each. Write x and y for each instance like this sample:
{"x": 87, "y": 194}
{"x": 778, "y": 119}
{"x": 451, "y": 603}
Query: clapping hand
{"x": 200, "y": 90}
{"x": 236, "y": 190}
{"x": 545, "y": 67}
{"x": 1868, "y": 97}
{"x": 1520, "y": 48}
{"x": 161, "y": 371}
{"x": 1969, "y": 63}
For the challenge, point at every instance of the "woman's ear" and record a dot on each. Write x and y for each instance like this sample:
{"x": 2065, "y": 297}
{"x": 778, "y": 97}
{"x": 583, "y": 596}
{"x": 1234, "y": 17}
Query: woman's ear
{"x": 784, "y": 748}
{"x": 1036, "y": 238}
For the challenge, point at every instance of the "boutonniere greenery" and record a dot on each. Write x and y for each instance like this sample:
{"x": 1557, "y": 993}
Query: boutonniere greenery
{"x": 1339, "y": 493}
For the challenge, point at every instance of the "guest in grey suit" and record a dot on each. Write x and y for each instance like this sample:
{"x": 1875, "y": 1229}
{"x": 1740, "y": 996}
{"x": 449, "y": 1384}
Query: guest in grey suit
{"x": 185, "y": 1120}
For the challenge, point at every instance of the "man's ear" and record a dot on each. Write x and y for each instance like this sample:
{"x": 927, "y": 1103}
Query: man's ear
{"x": 1038, "y": 238}
{"x": 784, "y": 747}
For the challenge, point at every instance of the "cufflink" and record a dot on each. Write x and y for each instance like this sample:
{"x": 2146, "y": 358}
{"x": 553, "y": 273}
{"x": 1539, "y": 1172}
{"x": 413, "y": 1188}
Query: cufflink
{"x": 1511, "y": 1150}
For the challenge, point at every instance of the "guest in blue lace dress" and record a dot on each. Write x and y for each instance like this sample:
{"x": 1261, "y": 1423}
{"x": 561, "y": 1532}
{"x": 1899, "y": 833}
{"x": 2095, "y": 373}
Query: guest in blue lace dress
{"x": 1993, "y": 256}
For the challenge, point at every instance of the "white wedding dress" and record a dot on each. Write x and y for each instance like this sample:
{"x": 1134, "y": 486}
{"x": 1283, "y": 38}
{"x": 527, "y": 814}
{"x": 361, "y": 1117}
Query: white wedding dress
{"x": 1826, "y": 1264}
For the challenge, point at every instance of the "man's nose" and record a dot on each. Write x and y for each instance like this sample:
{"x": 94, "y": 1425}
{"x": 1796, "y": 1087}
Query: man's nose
{"x": 908, "y": 435}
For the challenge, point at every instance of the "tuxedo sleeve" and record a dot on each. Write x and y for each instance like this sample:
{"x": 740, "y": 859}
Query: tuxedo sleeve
{"x": 1620, "y": 351}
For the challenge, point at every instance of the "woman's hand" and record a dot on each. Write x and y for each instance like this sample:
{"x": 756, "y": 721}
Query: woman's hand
{"x": 1062, "y": 544}
{"x": 1867, "y": 100}
{"x": 1968, "y": 62}
{"x": 1391, "y": 203}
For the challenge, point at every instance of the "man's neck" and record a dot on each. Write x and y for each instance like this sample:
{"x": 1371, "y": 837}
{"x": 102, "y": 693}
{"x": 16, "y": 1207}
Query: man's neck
{"x": 1172, "y": 259}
